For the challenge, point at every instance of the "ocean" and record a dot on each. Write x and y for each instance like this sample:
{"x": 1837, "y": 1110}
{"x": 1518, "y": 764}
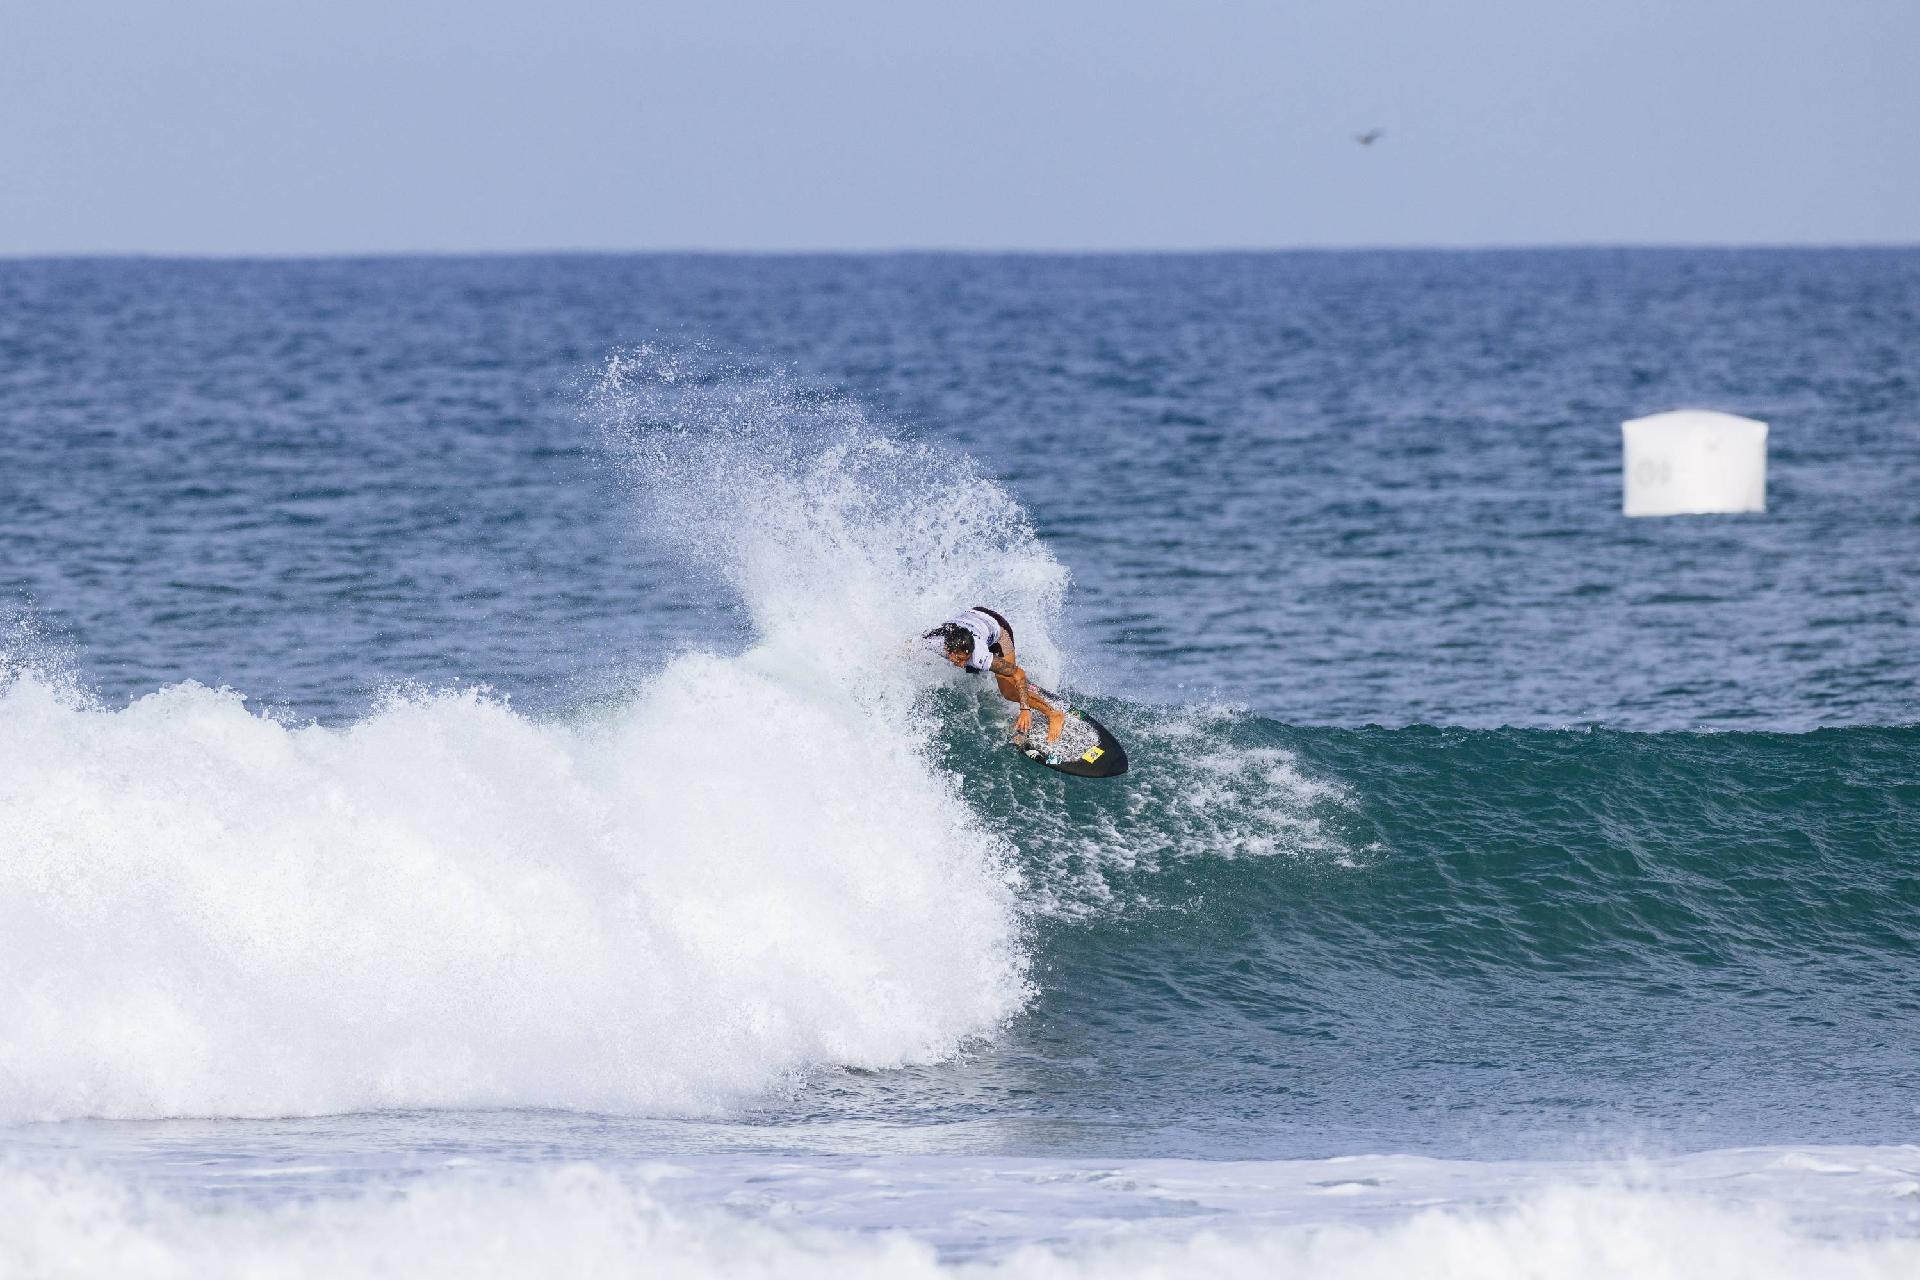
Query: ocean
{"x": 472, "y": 801}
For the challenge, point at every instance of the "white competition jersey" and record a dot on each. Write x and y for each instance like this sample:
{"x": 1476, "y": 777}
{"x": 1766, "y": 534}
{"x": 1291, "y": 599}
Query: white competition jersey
{"x": 986, "y": 634}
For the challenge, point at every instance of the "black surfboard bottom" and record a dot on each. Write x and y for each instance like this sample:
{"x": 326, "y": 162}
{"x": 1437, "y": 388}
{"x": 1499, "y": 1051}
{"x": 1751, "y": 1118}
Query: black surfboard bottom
{"x": 1105, "y": 759}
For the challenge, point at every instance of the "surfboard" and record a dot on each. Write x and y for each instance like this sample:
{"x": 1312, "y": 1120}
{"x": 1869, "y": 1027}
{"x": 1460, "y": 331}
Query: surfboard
{"x": 1085, "y": 749}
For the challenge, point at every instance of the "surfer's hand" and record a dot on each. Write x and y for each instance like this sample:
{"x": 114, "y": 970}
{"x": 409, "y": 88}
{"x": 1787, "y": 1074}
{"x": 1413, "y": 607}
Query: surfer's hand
{"x": 1022, "y": 723}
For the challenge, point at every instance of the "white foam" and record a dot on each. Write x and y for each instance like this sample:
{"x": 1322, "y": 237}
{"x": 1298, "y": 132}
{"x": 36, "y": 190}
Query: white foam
{"x": 203, "y": 911}
{"x": 1199, "y": 795}
{"x": 591, "y": 1221}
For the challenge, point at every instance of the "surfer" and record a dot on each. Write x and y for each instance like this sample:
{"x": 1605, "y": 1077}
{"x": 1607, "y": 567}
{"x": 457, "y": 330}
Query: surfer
{"x": 981, "y": 640}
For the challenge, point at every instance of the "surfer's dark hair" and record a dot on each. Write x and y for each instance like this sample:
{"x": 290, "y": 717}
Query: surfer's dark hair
{"x": 957, "y": 638}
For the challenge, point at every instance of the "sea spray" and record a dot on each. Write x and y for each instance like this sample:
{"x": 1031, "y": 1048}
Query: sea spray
{"x": 1213, "y": 786}
{"x": 846, "y": 540}
{"x": 751, "y": 870}
{"x": 843, "y": 540}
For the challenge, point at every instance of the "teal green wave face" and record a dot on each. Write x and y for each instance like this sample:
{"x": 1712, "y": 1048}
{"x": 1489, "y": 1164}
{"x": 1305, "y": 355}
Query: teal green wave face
{"x": 1498, "y": 941}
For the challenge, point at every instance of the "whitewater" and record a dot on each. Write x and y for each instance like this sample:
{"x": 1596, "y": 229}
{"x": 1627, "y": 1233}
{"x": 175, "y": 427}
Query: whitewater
{"x": 1768, "y": 1213}
{"x": 749, "y": 869}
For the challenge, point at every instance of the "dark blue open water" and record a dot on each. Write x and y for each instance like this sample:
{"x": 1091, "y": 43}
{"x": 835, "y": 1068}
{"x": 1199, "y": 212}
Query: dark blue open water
{"x": 585, "y": 798}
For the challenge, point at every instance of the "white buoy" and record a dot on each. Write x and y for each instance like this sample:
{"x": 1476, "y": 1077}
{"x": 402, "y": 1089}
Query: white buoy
{"x": 1693, "y": 462}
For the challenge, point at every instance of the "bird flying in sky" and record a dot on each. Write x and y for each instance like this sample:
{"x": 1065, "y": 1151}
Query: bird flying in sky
{"x": 1370, "y": 137}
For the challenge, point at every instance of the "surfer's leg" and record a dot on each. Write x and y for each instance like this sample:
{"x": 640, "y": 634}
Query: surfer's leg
{"x": 1056, "y": 718}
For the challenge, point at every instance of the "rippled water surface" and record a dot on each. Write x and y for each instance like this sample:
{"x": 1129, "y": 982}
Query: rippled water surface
{"x": 1338, "y": 488}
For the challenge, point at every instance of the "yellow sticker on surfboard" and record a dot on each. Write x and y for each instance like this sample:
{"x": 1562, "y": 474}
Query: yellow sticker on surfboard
{"x": 1093, "y": 753}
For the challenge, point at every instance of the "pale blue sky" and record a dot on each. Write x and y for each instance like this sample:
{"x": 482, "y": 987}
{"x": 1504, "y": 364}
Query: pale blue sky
{"x": 259, "y": 126}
